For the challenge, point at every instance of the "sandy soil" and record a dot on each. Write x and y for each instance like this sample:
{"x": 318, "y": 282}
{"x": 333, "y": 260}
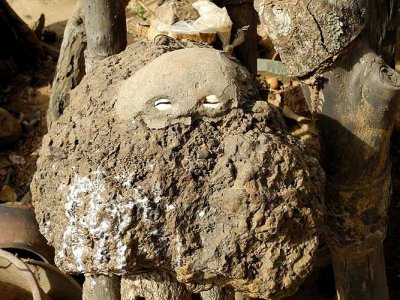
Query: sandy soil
{"x": 54, "y": 10}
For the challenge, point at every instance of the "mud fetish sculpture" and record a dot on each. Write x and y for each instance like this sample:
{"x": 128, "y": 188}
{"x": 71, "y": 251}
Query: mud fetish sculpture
{"x": 168, "y": 162}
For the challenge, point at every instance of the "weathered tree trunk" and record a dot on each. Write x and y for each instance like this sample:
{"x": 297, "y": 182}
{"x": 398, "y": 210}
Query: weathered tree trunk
{"x": 105, "y": 29}
{"x": 354, "y": 97}
{"x": 355, "y": 132}
{"x": 101, "y": 287}
{"x": 70, "y": 65}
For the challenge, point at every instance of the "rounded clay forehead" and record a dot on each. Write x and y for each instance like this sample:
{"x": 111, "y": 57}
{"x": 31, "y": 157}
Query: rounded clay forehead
{"x": 184, "y": 76}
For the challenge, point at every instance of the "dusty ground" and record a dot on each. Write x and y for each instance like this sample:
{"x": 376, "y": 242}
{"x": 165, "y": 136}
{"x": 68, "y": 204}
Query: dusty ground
{"x": 55, "y": 11}
{"x": 27, "y": 99}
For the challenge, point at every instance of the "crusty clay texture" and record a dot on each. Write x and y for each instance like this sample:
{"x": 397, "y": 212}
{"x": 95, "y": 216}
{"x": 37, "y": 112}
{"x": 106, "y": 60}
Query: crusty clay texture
{"x": 217, "y": 199}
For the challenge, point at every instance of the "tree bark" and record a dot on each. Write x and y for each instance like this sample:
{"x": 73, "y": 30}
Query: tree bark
{"x": 308, "y": 34}
{"x": 101, "y": 287}
{"x": 105, "y": 29}
{"x": 360, "y": 270}
{"x": 70, "y": 66}
{"x": 354, "y": 97}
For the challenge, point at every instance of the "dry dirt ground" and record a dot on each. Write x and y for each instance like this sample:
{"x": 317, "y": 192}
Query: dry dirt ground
{"x": 27, "y": 99}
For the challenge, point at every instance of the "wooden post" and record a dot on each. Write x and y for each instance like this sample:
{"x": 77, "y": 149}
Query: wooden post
{"x": 361, "y": 271}
{"x": 105, "y": 25}
{"x": 242, "y": 13}
{"x": 70, "y": 65}
{"x": 354, "y": 97}
{"x": 101, "y": 287}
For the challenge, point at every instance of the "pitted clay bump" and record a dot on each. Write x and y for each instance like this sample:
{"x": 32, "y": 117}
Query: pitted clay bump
{"x": 182, "y": 84}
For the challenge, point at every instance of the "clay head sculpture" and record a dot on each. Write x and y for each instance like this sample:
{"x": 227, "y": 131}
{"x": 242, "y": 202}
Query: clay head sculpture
{"x": 171, "y": 163}
{"x": 210, "y": 84}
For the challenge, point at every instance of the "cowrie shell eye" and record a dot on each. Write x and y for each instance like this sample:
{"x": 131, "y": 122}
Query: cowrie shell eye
{"x": 212, "y": 102}
{"x": 163, "y": 104}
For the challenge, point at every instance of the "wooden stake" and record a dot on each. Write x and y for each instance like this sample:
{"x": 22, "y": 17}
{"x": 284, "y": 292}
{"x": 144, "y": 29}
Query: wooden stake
{"x": 361, "y": 277}
{"x": 105, "y": 25}
{"x": 70, "y": 65}
{"x": 242, "y": 14}
{"x": 101, "y": 287}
